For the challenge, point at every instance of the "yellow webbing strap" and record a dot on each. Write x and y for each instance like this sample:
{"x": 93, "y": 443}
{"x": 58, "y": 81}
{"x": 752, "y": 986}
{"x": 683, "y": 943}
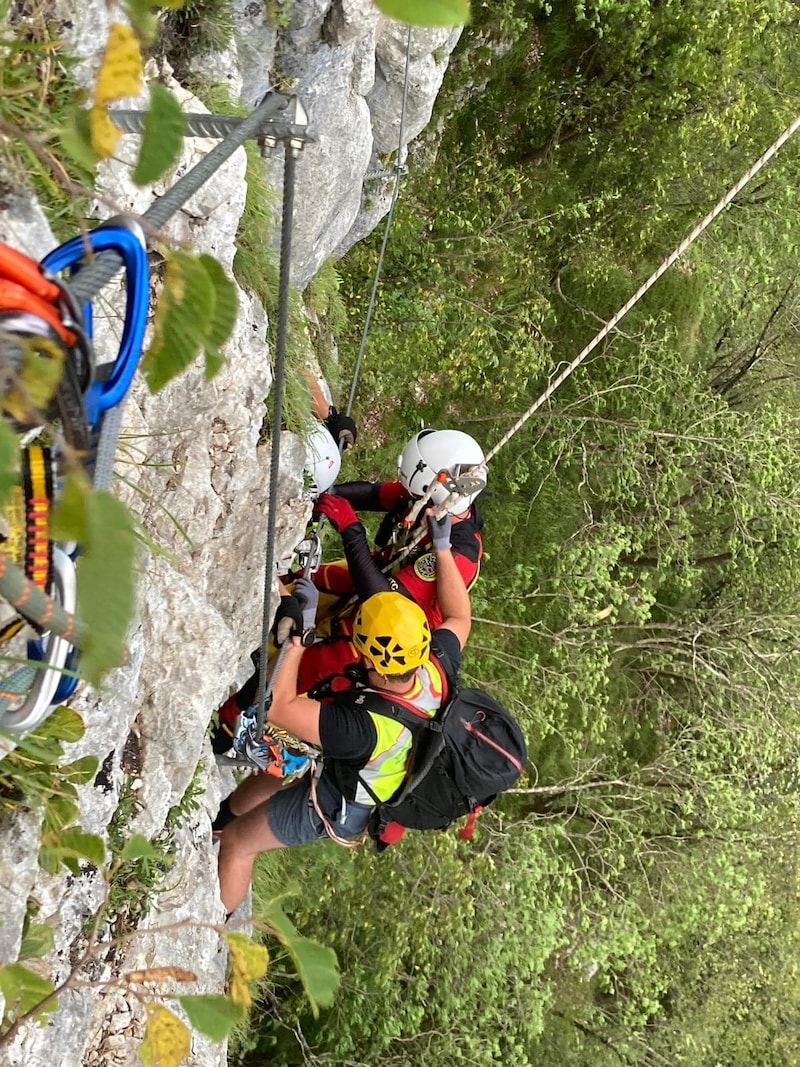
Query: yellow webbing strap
{"x": 27, "y": 512}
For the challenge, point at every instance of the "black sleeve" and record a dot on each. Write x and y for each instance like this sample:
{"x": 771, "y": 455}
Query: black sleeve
{"x": 346, "y": 733}
{"x": 445, "y": 646}
{"x": 364, "y": 496}
{"x": 367, "y": 576}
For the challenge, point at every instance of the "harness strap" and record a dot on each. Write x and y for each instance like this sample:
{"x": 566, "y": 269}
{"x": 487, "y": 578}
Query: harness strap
{"x": 345, "y": 842}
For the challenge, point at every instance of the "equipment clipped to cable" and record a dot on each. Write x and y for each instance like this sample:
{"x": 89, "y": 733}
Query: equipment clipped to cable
{"x": 56, "y": 398}
{"x": 273, "y": 750}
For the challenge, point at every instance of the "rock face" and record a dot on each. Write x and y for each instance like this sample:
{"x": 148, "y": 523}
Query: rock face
{"x": 194, "y": 470}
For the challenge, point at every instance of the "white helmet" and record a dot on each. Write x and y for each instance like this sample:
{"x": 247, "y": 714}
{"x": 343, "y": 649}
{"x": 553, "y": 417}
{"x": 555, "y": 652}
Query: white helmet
{"x": 431, "y": 453}
{"x": 323, "y": 460}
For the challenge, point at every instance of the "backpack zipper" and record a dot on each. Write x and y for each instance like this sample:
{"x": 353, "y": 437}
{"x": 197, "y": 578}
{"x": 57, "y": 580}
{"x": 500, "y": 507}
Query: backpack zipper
{"x": 493, "y": 744}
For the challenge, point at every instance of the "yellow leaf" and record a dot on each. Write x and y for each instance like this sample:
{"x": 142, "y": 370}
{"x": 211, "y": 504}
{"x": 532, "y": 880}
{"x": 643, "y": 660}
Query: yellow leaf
{"x": 166, "y": 1039}
{"x": 248, "y": 961}
{"x": 104, "y": 134}
{"x": 121, "y": 70}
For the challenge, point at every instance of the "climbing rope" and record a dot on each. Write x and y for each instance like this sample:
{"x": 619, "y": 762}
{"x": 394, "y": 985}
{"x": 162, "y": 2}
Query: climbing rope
{"x": 412, "y": 541}
{"x": 662, "y": 269}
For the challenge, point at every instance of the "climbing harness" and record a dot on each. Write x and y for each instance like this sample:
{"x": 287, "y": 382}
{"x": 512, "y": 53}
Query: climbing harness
{"x": 44, "y": 317}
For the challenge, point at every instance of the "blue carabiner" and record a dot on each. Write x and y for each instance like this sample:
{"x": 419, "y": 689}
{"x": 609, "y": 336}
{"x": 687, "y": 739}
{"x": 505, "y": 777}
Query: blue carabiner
{"x": 102, "y": 395}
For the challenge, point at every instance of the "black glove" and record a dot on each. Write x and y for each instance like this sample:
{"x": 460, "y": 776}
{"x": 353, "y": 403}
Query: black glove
{"x": 341, "y": 428}
{"x": 288, "y": 619}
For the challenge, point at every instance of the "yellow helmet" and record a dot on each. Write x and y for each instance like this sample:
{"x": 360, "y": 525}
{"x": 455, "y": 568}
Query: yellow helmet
{"x": 392, "y": 632}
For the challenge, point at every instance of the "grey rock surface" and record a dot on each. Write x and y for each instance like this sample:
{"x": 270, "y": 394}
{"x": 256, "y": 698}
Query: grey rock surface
{"x": 193, "y": 468}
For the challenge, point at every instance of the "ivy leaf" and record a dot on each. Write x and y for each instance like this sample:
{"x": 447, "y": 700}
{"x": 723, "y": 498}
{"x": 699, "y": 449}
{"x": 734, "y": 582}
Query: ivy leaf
{"x": 182, "y": 320}
{"x": 106, "y": 583}
{"x": 23, "y": 990}
{"x": 316, "y": 964}
{"x": 426, "y": 12}
{"x": 37, "y": 941}
{"x": 164, "y": 127}
{"x": 167, "y": 1040}
{"x": 9, "y": 451}
{"x": 248, "y": 962}
{"x": 214, "y": 1016}
{"x": 68, "y": 846}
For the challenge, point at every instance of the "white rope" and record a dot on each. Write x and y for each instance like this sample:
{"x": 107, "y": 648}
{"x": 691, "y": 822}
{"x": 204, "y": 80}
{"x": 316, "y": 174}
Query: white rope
{"x": 612, "y": 322}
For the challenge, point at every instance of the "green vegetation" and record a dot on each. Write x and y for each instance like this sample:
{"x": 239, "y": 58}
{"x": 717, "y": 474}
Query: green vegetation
{"x": 37, "y": 100}
{"x": 635, "y": 902}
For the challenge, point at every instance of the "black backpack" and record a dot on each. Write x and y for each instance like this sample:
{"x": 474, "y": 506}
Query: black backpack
{"x": 461, "y": 758}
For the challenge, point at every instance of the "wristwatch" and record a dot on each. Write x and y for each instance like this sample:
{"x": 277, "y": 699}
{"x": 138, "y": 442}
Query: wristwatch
{"x": 307, "y": 637}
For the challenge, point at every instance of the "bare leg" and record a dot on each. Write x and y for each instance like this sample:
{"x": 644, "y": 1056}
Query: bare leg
{"x": 242, "y": 841}
{"x": 252, "y": 791}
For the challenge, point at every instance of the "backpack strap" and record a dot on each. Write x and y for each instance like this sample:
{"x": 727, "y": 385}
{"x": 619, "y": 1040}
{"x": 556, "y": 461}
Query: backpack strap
{"x": 402, "y": 711}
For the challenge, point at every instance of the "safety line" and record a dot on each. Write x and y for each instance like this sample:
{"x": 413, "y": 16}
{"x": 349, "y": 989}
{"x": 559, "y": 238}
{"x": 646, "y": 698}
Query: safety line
{"x": 282, "y": 329}
{"x": 419, "y": 534}
{"x": 379, "y": 268}
{"x": 675, "y": 255}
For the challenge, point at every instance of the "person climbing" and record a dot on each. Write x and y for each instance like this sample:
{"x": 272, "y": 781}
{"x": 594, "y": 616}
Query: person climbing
{"x": 399, "y": 655}
{"x": 431, "y": 462}
{"x": 360, "y": 574}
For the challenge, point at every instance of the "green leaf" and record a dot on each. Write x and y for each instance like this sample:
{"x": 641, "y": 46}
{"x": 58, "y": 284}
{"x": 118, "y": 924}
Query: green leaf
{"x": 317, "y": 969}
{"x": 62, "y": 723}
{"x": 316, "y": 964}
{"x": 164, "y": 127}
{"x": 60, "y": 811}
{"x": 37, "y": 941}
{"x": 182, "y": 320}
{"x": 141, "y": 18}
{"x": 9, "y": 455}
{"x": 76, "y": 139}
{"x": 69, "y": 846}
{"x": 80, "y": 770}
{"x": 226, "y": 302}
{"x": 68, "y": 520}
{"x": 214, "y": 1016}
{"x": 23, "y": 990}
{"x": 138, "y": 847}
{"x": 426, "y": 12}
{"x": 106, "y": 583}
